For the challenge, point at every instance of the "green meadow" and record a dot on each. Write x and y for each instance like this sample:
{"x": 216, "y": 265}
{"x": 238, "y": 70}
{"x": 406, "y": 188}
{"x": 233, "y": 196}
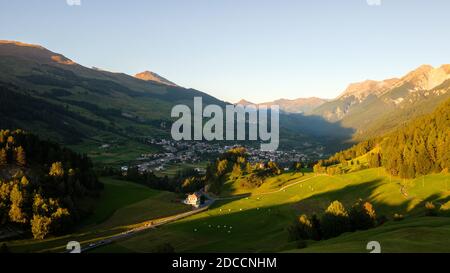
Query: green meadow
{"x": 413, "y": 235}
{"x": 119, "y": 152}
{"x": 256, "y": 221}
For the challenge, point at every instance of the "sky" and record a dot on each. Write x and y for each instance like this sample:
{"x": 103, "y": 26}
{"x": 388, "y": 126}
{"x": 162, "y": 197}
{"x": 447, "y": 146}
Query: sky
{"x": 259, "y": 50}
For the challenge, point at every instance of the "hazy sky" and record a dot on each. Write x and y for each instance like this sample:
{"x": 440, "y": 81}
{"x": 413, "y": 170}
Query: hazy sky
{"x": 253, "y": 49}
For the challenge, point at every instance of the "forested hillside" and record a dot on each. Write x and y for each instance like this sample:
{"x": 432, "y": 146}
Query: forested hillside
{"x": 72, "y": 104}
{"x": 420, "y": 147}
{"x": 42, "y": 184}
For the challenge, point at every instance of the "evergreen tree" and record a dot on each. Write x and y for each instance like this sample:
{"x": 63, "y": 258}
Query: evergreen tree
{"x": 237, "y": 171}
{"x": 56, "y": 170}
{"x": 335, "y": 220}
{"x": 40, "y": 226}
{"x": 362, "y": 216}
{"x": 3, "y": 157}
{"x": 16, "y": 213}
{"x": 20, "y": 156}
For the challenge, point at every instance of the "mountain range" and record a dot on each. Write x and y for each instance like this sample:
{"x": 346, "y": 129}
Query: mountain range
{"x": 376, "y": 107}
{"x": 372, "y": 107}
{"x": 152, "y": 76}
{"x": 53, "y": 96}
{"x": 298, "y": 106}
{"x": 49, "y": 94}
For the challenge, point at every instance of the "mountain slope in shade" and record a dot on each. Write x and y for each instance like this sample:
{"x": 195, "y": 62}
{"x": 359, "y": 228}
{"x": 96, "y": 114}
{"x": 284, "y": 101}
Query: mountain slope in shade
{"x": 297, "y": 106}
{"x": 83, "y": 107}
{"x": 152, "y": 76}
{"x": 375, "y": 107}
{"x": 46, "y": 93}
{"x": 300, "y": 105}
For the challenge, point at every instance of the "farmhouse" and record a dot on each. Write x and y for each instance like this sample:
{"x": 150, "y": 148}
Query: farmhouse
{"x": 193, "y": 199}
{"x": 124, "y": 170}
{"x": 200, "y": 170}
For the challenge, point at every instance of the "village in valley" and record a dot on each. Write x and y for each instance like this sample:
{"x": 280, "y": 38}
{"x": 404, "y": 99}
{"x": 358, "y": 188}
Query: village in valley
{"x": 195, "y": 155}
{"x": 195, "y": 152}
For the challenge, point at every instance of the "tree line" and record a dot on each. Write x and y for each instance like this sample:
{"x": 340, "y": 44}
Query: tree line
{"x": 41, "y": 184}
{"x": 233, "y": 164}
{"x": 419, "y": 147}
{"x": 335, "y": 220}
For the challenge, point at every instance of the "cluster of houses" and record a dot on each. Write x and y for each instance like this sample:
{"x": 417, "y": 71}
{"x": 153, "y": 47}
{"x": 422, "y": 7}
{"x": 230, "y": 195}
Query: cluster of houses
{"x": 173, "y": 152}
{"x": 176, "y": 152}
{"x": 256, "y": 155}
{"x": 179, "y": 152}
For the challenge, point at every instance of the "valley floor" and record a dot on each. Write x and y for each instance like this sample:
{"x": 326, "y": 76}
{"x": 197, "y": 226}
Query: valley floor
{"x": 257, "y": 222}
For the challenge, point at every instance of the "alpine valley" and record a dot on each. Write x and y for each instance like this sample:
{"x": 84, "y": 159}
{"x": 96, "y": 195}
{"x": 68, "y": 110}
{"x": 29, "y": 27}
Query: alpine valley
{"x": 86, "y": 155}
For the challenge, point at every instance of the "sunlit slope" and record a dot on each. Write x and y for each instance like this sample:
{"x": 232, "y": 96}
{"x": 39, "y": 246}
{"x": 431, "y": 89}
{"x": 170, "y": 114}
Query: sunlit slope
{"x": 258, "y": 222}
{"x": 235, "y": 186}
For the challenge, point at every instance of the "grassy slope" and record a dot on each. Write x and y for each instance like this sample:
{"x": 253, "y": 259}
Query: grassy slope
{"x": 120, "y": 205}
{"x": 420, "y": 234}
{"x": 258, "y": 222}
{"x": 234, "y": 186}
{"x": 172, "y": 169}
{"x": 119, "y": 153}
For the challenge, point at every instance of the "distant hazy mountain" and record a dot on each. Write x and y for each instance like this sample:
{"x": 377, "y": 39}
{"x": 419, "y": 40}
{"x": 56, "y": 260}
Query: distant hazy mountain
{"x": 245, "y": 102}
{"x": 152, "y": 76}
{"x": 300, "y": 105}
{"x": 375, "y": 107}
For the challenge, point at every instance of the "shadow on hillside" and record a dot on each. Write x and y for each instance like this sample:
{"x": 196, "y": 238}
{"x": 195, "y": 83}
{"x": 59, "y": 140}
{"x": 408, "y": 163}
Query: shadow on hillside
{"x": 263, "y": 229}
{"x": 229, "y": 189}
{"x": 333, "y": 135}
{"x": 348, "y": 195}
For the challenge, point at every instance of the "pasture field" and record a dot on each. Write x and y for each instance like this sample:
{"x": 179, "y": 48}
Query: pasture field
{"x": 172, "y": 169}
{"x": 233, "y": 187}
{"x": 414, "y": 235}
{"x": 118, "y": 153}
{"x": 256, "y": 222}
